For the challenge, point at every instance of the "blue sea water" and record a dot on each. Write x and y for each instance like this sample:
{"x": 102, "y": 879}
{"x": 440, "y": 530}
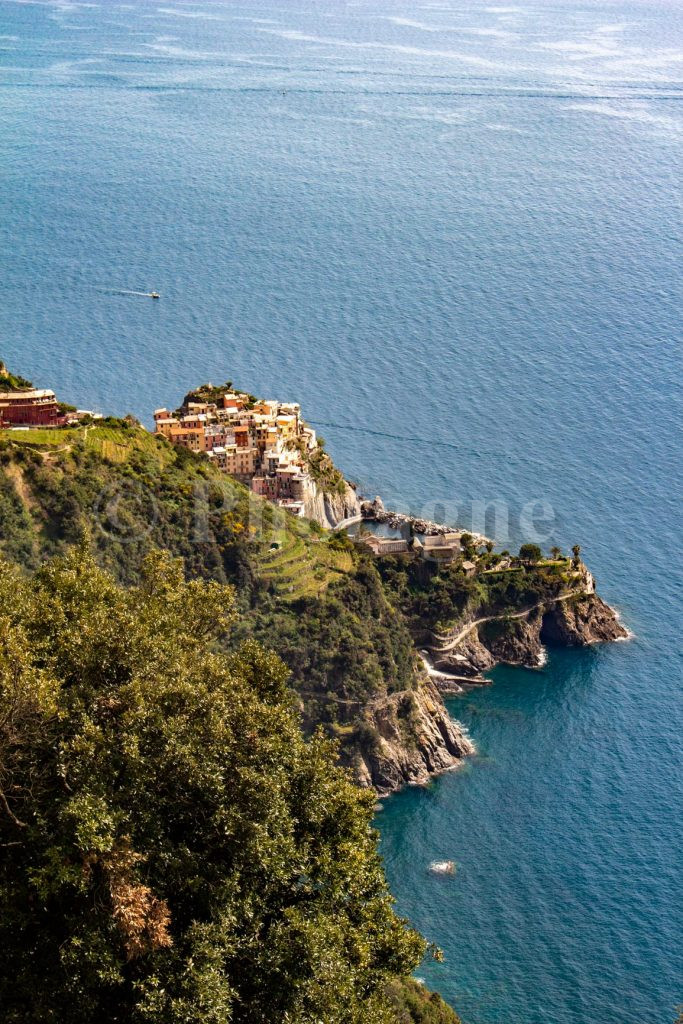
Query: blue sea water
{"x": 452, "y": 230}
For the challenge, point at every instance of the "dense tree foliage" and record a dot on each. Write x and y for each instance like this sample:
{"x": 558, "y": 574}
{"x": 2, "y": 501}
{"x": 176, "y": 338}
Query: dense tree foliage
{"x": 530, "y": 553}
{"x": 432, "y": 596}
{"x": 349, "y": 645}
{"x": 174, "y": 852}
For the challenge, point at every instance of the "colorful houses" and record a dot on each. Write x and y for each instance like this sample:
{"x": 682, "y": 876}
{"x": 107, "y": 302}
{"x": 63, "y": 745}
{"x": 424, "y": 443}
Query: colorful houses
{"x": 263, "y": 443}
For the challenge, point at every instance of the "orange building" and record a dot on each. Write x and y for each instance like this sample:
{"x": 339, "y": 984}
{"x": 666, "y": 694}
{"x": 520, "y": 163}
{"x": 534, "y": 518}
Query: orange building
{"x": 188, "y": 437}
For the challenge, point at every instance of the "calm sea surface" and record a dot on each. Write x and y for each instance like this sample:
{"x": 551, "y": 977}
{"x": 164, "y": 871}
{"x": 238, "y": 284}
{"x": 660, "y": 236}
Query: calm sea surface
{"x": 452, "y": 230}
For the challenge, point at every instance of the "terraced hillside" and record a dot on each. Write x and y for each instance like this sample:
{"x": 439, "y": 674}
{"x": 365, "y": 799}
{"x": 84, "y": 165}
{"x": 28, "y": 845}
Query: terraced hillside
{"x": 303, "y": 591}
{"x": 299, "y": 566}
{"x": 116, "y": 440}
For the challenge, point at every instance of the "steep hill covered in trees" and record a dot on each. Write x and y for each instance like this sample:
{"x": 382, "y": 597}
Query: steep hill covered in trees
{"x": 173, "y": 850}
{"x": 307, "y": 594}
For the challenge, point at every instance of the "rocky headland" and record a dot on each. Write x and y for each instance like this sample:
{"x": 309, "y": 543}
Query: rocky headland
{"x": 410, "y": 736}
{"x": 578, "y": 620}
{"x": 373, "y": 643}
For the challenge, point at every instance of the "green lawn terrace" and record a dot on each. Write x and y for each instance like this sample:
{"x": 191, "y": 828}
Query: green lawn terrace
{"x": 114, "y": 440}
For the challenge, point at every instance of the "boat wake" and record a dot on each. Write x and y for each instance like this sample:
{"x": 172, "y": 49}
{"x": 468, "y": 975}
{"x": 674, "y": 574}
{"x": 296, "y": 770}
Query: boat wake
{"x": 127, "y": 291}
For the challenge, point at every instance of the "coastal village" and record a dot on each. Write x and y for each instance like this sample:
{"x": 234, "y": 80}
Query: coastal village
{"x": 265, "y": 444}
{"x": 519, "y": 601}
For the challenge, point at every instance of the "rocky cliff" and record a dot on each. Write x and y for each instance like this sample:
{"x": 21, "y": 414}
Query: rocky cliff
{"x": 577, "y": 621}
{"x": 580, "y": 621}
{"x": 408, "y": 737}
{"x": 514, "y": 641}
{"x": 330, "y": 508}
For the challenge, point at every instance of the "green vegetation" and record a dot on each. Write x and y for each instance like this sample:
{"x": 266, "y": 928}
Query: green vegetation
{"x": 115, "y": 439}
{"x": 530, "y": 553}
{"x": 174, "y": 852}
{"x": 306, "y": 594}
{"x": 320, "y": 466}
{"x": 340, "y": 619}
{"x": 208, "y": 393}
{"x": 54, "y": 437}
{"x": 249, "y": 888}
{"x": 12, "y": 382}
{"x": 414, "y": 1004}
{"x": 298, "y": 569}
{"x": 438, "y": 597}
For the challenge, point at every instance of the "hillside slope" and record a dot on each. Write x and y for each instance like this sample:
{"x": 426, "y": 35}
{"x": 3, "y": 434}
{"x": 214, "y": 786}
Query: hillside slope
{"x": 309, "y": 595}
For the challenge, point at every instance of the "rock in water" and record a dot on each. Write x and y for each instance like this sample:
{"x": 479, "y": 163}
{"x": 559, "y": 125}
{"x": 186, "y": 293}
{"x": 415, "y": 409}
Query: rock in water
{"x": 442, "y": 867}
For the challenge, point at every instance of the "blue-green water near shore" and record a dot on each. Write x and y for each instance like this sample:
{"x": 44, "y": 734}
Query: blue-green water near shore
{"x": 453, "y": 231}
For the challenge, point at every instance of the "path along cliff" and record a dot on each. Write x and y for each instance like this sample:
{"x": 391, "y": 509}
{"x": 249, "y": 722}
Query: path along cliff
{"x": 410, "y": 736}
{"x": 575, "y": 619}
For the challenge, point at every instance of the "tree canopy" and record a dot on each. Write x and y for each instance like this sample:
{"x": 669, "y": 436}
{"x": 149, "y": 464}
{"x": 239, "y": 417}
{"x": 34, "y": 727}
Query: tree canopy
{"x": 530, "y": 553}
{"x": 173, "y": 850}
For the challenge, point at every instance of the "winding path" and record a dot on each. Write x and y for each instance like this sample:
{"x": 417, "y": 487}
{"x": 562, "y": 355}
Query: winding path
{"x": 491, "y": 618}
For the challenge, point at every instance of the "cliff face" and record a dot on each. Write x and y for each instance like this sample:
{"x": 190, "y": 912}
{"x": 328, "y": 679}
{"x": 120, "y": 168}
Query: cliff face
{"x": 469, "y": 659}
{"x": 515, "y": 641}
{"x": 576, "y": 622}
{"x": 329, "y": 509}
{"x": 413, "y": 738}
{"x": 580, "y": 621}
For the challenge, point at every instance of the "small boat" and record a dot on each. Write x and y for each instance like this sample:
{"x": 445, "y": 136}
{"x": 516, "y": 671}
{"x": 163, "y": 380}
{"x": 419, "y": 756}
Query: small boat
{"x": 442, "y": 867}
{"x": 154, "y": 295}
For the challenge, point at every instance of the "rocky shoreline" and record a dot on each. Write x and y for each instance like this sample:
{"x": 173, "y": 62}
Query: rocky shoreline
{"x": 578, "y": 621}
{"x": 416, "y": 738}
{"x": 374, "y": 511}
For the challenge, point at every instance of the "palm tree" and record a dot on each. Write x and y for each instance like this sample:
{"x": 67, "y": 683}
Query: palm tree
{"x": 556, "y": 552}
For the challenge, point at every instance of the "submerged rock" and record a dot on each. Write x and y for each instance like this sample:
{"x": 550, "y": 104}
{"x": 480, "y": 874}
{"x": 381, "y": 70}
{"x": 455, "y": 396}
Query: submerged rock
{"x": 442, "y": 867}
